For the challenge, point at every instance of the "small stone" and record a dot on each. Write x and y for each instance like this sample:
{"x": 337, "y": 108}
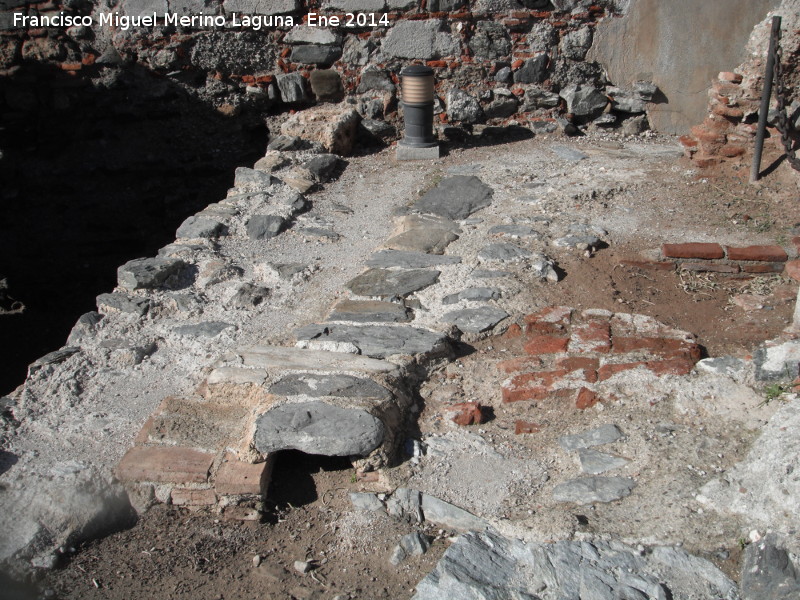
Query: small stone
{"x": 443, "y": 513}
{"x": 398, "y": 555}
{"x": 415, "y": 544}
{"x": 477, "y": 294}
{"x": 302, "y": 566}
{"x": 123, "y": 303}
{"x": 248, "y": 295}
{"x": 256, "y": 560}
{"x": 285, "y": 143}
{"x": 728, "y": 366}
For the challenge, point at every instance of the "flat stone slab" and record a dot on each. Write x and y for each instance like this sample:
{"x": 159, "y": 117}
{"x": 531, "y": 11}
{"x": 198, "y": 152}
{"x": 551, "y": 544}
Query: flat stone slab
{"x": 586, "y": 490}
{"x": 208, "y": 329}
{"x": 492, "y": 567}
{"x": 431, "y": 240}
{"x": 378, "y": 341}
{"x": 568, "y": 153}
{"x": 456, "y": 197}
{"x": 370, "y": 311}
{"x": 594, "y": 462}
{"x": 475, "y": 320}
{"x": 333, "y": 385}
{"x": 148, "y": 273}
{"x": 279, "y": 358}
{"x": 490, "y": 273}
{"x": 594, "y": 437}
{"x": 199, "y": 228}
{"x": 443, "y": 513}
{"x": 515, "y": 231}
{"x": 318, "y": 428}
{"x": 383, "y": 282}
{"x": 503, "y": 253}
{"x": 409, "y": 260}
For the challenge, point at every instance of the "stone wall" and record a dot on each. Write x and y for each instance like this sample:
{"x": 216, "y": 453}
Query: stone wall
{"x": 494, "y": 60}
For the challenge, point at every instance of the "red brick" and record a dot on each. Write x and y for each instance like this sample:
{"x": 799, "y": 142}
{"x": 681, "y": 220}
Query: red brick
{"x": 545, "y": 378}
{"x": 526, "y": 427}
{"x": 235, "y": 477}
{"x": 688, "y": 142}
{"x": 671, "y": 366}
{"x": 546, "y": 344}
{"x": 514, "y": 331}
{"x": 535, "y": 393}
{"x": 793, "y": 269}
{"x": 593, "y": 336}
{"x": 165, "y": 464}
{"x": 732, "y": 150}
{"x": 652, "y": 265}
{"x": 575, "y": 363}
{"x": 764, "y": 268}
{"x": 607, "y": 371}
{"x": 188, "y": 497}
{"x": 707, "y": 267}
{"x": 765, "y": 253}
{"x": 467, "y": 413}
{"x": 437, "y": 64}
{"x": 693, "y": 250}
{"x": 516, "y": 365}
{"x": 704, "y": 162}
{"x": 730, "y": 77}
{"x": 517, "y": 64}
{"x": 708, "y": 137}
{"x": 716, "y": 125}
{"x": 796, "y": 243}
{"x": 730, "y": 112}
{"x": 724, "y": 88}
{"x": 586, "y": 398}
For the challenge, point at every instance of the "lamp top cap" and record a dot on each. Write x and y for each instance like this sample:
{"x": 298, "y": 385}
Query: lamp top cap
{"x": 417, "y": 71}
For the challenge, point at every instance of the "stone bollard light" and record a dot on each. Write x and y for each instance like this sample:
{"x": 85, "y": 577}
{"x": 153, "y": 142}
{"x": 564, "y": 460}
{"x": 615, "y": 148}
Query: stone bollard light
{"x": 416, "y": 86}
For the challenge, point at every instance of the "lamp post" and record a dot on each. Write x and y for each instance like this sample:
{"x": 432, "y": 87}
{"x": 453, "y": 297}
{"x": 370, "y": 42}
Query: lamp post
{"x": 416, "y": 88}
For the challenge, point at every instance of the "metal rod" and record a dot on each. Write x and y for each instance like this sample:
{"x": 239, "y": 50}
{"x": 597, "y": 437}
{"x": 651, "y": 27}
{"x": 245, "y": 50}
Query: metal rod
{"x": 766, "y": 94}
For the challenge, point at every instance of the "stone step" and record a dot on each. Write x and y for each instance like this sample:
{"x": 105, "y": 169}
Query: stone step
{"x": 279, "y": 358}
{"x": 380, "y": 341}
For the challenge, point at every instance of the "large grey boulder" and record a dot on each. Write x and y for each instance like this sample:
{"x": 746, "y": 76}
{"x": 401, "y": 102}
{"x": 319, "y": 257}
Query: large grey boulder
{"x": 264, "y": 227}
{"x": 315, "y": 54}
{"x": 490, "y": 41}
{"x": 487, "y": 566}
{"x": 318, "y": 428}
{"x": 764, "y": 487}
{"x": 148, "y": 273}
{"x": 64, "y": 506}
{"x": 576, "y": 44}
{"x": 420, "y": 39}
{"x": 292, "y": 87}
{"x": 769, "y": 572}
{"x": 583, "y": 100}
{"x": 199, "y": 228}
{"x": 456, "y": 197}
{"x": 533, "y": 71}
{"x": 462, "y": 106}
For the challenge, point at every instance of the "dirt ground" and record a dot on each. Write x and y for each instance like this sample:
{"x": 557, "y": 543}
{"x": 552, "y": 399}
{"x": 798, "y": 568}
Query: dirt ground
{"x": 170, "y": 554}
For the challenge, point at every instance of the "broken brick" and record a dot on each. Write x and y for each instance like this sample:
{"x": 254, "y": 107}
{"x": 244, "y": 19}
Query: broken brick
{"x": 706, "y": 267}
{"x": 608, "y": 371}
{"x": 586, "y": 398}
{"x": 693, "y": 250}
{"x": 574, "y": 363}
{"x": 776, "y": 267}
{"x": 521, "y": 427}
{"x": 793, "y": 269}
{"x": 515, "y": 365}
{"x": 467, "y": 413}
{"x": 656, "y": 346}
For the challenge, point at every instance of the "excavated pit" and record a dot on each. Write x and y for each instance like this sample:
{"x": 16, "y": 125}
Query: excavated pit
{"x": 96, "y": 173}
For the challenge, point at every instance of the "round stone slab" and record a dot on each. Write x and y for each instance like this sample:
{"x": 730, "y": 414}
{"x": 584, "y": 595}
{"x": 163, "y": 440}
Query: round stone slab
{"x": 318, "y": 428}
